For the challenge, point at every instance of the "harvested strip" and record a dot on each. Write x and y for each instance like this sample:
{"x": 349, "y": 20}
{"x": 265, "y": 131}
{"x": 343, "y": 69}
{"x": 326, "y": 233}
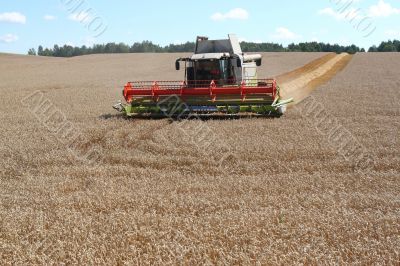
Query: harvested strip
{"x": 298, "y": 84}
{"x": 294, "y": 74}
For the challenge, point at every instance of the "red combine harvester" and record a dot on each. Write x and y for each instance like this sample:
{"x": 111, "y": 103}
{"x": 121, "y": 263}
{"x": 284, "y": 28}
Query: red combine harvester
{"x": 219, "y": 79}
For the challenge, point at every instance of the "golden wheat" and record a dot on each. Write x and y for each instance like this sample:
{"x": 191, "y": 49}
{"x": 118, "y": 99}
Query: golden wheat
{"x": 272, "y": 191}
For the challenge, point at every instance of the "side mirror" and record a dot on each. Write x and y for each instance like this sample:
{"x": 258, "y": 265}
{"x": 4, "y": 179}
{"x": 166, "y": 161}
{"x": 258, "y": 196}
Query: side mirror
{"x": 239, "y": 62}
{"x": 258, "y": 62}
{"x": 177, "y": 65}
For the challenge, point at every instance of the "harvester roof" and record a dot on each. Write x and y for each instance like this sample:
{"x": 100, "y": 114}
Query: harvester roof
{"x": 206, "y": 46}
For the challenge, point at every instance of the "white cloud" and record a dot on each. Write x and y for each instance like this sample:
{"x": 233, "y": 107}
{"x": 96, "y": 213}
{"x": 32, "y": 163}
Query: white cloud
{"x": 82, "y": 17}
{"x": 237, "y": 13}
{"x": 349, "y": 14}
{"x": 13, "y": 17}
{"x": 382, "y": 9}
{"x": 392, "y": 33}
{"x": 49, "y": 17}
{"x": 285, "y": 34}
{"x": 9, "y": 38}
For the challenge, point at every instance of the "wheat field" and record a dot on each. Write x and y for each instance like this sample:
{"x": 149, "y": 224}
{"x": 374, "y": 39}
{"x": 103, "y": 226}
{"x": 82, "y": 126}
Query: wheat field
{"x": 235, "y": 191}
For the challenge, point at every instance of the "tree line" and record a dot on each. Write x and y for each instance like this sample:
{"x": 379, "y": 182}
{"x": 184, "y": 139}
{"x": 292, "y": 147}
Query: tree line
{"x": 301, "y": 47}
{"x": 111, "y": 48}
{"x": 389, "y": 46}
{"x": 149, "y": 47}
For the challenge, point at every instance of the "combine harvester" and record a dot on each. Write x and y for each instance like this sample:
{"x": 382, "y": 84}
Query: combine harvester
{"x": 219, "y": 80}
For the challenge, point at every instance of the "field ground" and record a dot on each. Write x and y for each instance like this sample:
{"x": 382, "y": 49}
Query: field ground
{"x": 284, "y": 193}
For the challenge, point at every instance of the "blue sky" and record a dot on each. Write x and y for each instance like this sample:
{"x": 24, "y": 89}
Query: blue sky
{"x": 26, "y": 24}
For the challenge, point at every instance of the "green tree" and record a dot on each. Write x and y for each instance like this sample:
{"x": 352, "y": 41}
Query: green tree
{"x": 388, "y": 47}
{"x": 48, "y": 52}
{"x": 40, "y": 50}
{"x": 122, "y": 48}
{"x": 56, "y": 51}
{"x": 396, "y": 43}
{"x": 32, "y": 51}
{"x": 373, "y": 49}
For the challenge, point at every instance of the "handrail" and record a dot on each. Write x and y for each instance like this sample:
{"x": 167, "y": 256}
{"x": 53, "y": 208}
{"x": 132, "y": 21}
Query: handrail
{"x": 199, "y": 88}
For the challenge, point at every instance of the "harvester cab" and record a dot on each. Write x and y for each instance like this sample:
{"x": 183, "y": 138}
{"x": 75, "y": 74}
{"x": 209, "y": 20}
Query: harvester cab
{"x": 219, "y": 79}
{"x": 221, "y": 61}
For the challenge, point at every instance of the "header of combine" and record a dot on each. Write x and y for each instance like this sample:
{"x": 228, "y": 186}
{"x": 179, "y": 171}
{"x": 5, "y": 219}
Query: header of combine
{"x": 219, "y": 78}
